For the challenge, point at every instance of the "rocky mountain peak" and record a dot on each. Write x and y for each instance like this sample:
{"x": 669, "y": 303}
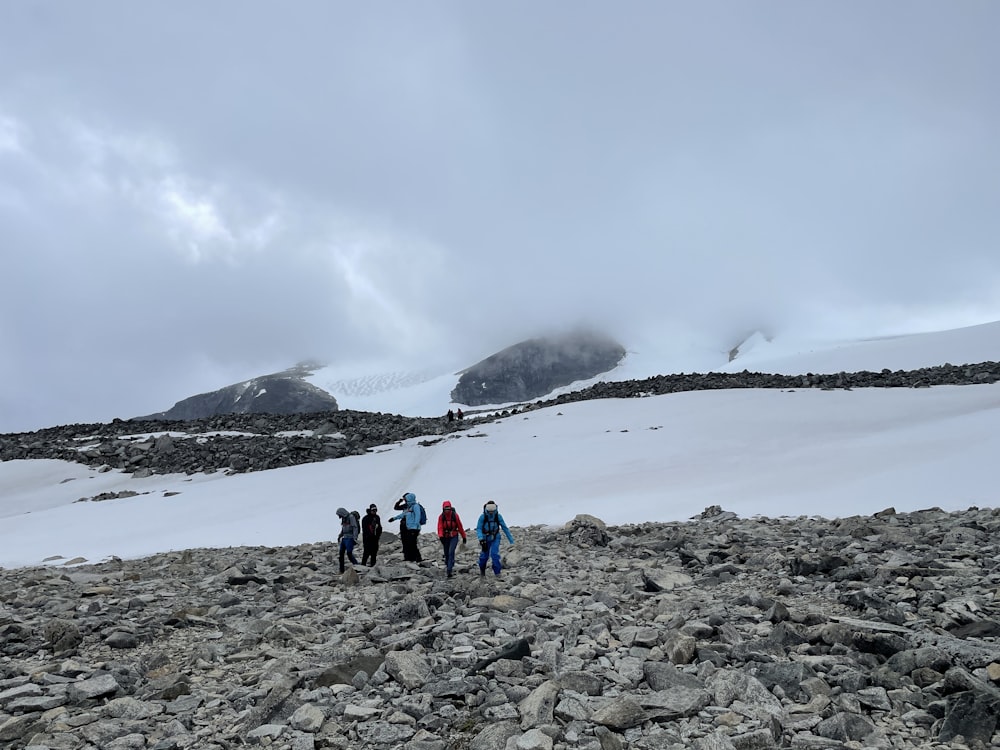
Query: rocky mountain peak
{"x": 280, "y": 393}
{"x": 536, "y": 367}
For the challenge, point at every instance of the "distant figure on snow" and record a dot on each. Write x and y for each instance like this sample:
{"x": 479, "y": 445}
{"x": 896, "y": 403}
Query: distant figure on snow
{"x": 451, "y": 416}
{"x": 371, "y": 532}
{"x": 449, "y": 529}
{"x": 488, "y": 532}
{"x": 460, "y": 415}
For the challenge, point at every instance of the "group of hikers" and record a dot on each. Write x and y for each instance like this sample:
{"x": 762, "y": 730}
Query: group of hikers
{"x": 412, "y": 517}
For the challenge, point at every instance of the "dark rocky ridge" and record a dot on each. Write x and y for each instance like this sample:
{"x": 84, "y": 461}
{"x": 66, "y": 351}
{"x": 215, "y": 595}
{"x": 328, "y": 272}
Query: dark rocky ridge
{"x": 268, "y": 441}
{"x": 281, "y": 393}
{"x": 237, "y": 442}
{"x": 536, "y": 367}
{"x": 719, "y": 634}
{"x": 925, "y": 377}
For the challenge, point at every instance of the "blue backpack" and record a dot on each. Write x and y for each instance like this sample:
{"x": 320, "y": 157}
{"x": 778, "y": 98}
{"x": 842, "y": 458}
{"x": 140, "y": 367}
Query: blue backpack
{"x": 423, "y": 514}
{"x": 491, "y": 525}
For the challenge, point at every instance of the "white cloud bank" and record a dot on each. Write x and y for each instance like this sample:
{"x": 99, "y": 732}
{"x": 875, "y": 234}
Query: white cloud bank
{"x": 194, "y": 193}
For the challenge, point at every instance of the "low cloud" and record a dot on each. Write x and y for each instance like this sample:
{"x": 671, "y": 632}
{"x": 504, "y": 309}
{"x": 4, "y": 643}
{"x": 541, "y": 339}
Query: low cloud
{"x": 191, "y": 195}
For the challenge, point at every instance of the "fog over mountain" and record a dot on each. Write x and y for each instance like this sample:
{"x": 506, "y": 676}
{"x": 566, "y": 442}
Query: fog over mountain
{"x": 429, "y": 393}
{"x": 195, "y": 194}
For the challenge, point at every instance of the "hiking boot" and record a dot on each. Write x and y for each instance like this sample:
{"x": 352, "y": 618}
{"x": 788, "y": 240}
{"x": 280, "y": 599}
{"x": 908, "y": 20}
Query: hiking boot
{"x": 482, "y": 572}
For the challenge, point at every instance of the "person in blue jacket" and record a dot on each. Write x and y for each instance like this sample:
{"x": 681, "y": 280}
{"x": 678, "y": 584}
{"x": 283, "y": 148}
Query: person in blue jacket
{"x": 410, "y": 527}
{"x": 488, "y": 532}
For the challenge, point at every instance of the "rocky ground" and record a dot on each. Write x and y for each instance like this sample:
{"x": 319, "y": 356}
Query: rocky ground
{"x": 718, "y": 634}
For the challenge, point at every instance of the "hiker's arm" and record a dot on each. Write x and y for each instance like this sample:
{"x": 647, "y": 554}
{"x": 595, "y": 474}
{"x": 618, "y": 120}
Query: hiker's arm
{"x": 503, "y": 525}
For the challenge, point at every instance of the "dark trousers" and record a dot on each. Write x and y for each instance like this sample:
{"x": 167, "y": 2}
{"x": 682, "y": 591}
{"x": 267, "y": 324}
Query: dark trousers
{"x": 347, "y": 547}
{"x": 370, "y": 551}
{"x": 411, "y": 552}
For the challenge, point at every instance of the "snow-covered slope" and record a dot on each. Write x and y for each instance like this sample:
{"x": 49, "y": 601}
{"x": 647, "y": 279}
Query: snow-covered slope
{"x": 960, "y": 346}
{"x": 663, "y": 458}
{"x": 801, "y": 452}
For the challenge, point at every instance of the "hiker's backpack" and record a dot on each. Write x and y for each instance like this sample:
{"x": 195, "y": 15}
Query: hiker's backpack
{"x": 491, "y": 525}
{"x": 423, "y": 514}
{"x": 357, "y": 523}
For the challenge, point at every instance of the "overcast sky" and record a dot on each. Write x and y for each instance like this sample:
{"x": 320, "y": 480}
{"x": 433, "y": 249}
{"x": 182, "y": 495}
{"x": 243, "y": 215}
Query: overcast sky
{"x": 195, "y": 193}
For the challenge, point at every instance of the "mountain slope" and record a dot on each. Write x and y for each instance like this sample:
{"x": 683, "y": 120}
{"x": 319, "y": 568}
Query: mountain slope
{"x": 280, "y": 393}
{"x": 536, "y": 367}
{"x": 431, "y": 392}
{"x": 660, "y": 458}
{"x": 967, "y": 345}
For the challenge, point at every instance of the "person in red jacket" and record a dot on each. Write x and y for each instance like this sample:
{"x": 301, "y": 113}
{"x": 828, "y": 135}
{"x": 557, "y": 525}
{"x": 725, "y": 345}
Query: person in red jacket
{"x": 449, "y": 529}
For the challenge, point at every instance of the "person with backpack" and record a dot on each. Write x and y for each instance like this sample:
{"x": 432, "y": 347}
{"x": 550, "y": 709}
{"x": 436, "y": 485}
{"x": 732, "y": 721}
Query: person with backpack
{"x": 349, "y": 533}
{"x": 412, "y": 519}
{"x": 371, "y": 532}
{"x": 488, "y": 532}
{"x": 449, "y": 529}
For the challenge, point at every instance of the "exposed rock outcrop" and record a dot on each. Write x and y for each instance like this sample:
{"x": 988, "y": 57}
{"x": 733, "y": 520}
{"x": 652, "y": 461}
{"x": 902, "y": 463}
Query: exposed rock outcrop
{"x": 536, "y": 367}
{"x": 233, "y": 442}
{"x": 280, "y": 393}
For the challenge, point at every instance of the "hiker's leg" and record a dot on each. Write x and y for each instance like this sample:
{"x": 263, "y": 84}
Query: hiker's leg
{"x": 495, "y": 554}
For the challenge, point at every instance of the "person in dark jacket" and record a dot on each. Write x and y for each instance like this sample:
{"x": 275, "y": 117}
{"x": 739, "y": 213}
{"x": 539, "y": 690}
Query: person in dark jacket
{"x": 371, "y": 532}
{"x": 449, "y": 529}
{"x": 349, "y": 533}
{"x": 488, "y": 532}
{"x": 410, "y": 528}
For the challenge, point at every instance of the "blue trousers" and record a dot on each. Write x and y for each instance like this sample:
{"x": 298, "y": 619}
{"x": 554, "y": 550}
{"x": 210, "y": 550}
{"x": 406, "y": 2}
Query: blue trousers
{"x": 449, "y": 545}
{"x": 347, "y": 546}
{"x": 492, "y": 552}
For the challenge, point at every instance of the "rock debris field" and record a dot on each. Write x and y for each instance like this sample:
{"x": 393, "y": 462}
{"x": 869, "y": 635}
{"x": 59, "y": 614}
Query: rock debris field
{"x": 714, "y": 634}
